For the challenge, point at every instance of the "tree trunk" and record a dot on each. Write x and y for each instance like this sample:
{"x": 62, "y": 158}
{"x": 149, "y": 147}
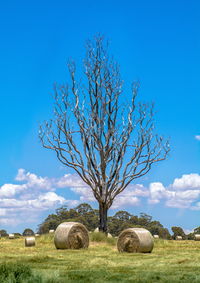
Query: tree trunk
{"x": 103, "y": 210}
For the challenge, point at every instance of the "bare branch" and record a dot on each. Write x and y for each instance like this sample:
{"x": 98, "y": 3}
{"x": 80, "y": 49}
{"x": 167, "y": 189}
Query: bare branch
{"x": 106, "y": 144}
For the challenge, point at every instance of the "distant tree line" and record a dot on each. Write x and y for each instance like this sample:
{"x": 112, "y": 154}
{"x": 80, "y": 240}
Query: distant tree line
{"x": 27, "y": 232}
{"x": 88, "y": 216}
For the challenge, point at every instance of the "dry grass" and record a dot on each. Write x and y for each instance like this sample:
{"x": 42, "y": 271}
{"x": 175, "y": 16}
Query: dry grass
{"x": 135, "y": 240}
{"x": 170, "y": 261}
{"x": 71, "y": 235}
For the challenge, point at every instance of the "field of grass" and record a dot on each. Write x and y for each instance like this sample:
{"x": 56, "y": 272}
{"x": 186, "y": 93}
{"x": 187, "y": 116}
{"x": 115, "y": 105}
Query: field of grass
{"x": 170, "y": 261}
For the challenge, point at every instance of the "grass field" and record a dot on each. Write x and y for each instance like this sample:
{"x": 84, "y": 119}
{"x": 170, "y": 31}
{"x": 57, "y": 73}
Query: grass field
{"x": 170, "y": 261}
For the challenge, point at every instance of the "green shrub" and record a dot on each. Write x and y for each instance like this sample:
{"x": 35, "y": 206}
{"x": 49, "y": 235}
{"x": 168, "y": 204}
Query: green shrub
{"x": 111, "y": 241}
{"x": 15, "y": 273}
{"x": 101, "y": 237}
{"x": 98, "y": 237}
{"x": 17, "y": 235}
{"x": 21, "y": 273}
{"x": 46, "y": 238}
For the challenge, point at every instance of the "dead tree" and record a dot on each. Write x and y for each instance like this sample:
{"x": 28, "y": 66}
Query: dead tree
{"x": 107, "y": 144}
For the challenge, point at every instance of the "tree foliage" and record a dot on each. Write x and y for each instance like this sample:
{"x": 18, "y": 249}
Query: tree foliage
{"x": 3, "y": 233}
{"x": 28, "y": 232}
{"x": 178, "y": 231}
{"x": 88, "y": 216}
{"x": 197, "y": 230}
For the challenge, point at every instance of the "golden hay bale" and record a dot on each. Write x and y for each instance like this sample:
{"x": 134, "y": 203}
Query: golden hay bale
{"x": 197, "y": 237}
{"x": 29, "y": 241}
{"x": 11, "y": 236}
{"x": 156, "y": 236}
{"x": 37, "y": 235}
{"x": 179, "y": 238}
{"x": 135, "y": 240}
{"x": 71, "y": 235}
{"x": 51, "y": 231}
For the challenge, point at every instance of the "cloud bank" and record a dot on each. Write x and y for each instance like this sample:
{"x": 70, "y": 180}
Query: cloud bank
{"x": 24, "y": 200}
{"x": 184, "y": 192}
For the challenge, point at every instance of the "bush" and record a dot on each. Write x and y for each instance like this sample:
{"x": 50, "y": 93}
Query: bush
{"x": 28, "y": 232}
{"x": 112, "y": 241}
{"x": 98, "y": 237}
{"x": 3, "y": 233}
{"x": 21, "y": 273}
{"x": 191, "y": 236}
{"x": 101, "y": 237}
{"x": 15, "y": 273}
{"x": 17, "y": 235}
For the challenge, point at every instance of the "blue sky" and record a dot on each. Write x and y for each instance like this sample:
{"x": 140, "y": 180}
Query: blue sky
{"x": 156, "y": 42}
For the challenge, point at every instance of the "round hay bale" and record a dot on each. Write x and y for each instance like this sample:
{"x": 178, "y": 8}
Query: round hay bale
{"x": 109, "y": 235}
{"x": 135, "y": 240}
{"x": 71, "y": 235}
{"x": 37, "y": 235}
{"x": 156, "y": 236}
{"x": 11, "y": 236}
{"x": 179, "y": 238}
{"x": 51, "y": 231}
{"x": 197, "y": 237}
{"x": 29, "y": 241}
{"x": 96, "y": 230}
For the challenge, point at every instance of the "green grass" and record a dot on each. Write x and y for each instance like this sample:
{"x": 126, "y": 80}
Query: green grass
{"x": 170, "y": 261}
{"x": 101, "y": 237}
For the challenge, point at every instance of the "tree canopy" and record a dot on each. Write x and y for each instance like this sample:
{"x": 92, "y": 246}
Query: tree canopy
{"x": 88, "y": 216}
{"x": 28, "y": 232}
{"x": 178, "y": 231}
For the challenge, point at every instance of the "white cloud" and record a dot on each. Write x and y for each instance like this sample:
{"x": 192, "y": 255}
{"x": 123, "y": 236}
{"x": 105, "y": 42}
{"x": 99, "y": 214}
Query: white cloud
{"x": 43, "y": 202}
{"x": 153, "y": 201}
{"x": 21, "y": 175}
{"x": 157, "y": 192}
{"x": 9, "y": 190}
{"x": 2, "y": 211}
{"x": 46, "y": 201}
{"x": 188, "y": 231}
{"x": 137, "y": 190}
{"x": 70, "y": 180}
{"x": 32, "y": 179}
{"x": 197, "y": 137}
{"x": 188, "y": 195}
{"x": 122, "y": 201}
{"x": 183, "y": 193}
{"x": 189, "y": 181}
{"x": 33, "y": 194}
{"x": 11, "y": 221}
{"x": 178, "y": 203}
{"x": 130, "y": 196}
{"x": 196, "y": 206}
{"x": 51, "y": 197}
{"x": 85, "y": 193}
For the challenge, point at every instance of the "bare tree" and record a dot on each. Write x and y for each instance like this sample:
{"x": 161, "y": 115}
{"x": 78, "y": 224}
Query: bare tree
{"x": 107, "y": 144}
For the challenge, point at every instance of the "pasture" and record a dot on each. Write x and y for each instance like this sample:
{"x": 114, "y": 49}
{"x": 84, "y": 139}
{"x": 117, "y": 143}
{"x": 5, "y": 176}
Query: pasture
{"x": 170, "y": 261}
